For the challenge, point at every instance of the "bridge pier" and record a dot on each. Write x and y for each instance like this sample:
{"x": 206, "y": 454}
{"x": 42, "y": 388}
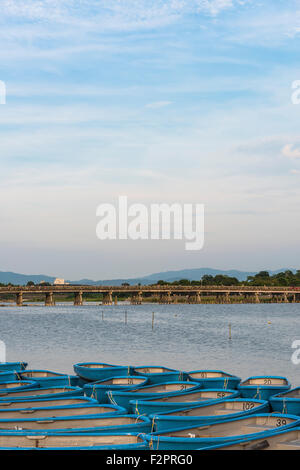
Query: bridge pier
{"x": 107, "y": 299}
{"x": 257, "y": 299}
{"x": 198, "y": 298}
{"x": 19, "y": 300}
{"x": 137, "y": 299}
{"x": 285, "y": 298}
{"x": 49, "y": 302}
{"x": 78, "y": 299}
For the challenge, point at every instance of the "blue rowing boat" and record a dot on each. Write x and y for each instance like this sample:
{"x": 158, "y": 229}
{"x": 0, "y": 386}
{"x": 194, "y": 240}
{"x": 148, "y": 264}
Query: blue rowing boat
{"x": 95, "y": 371}
{"x": 208, "y": 413}
{"x": 40, "y": 411}
{"x": 122, "y": 398}
{"x": 9, "y": 376}
{"x": 286, "y": 402}
{"x": 72, "y": 441}
{"x": 7, "y": 388}
{"x": 89, "y": 424}
{"x": 159, "y": 374}
{"x": 12, "y": 366}
{"x": 47, "y": 378}
{"x": 214, "y": 379}
{"x": 157, "y": 405}
{"x": 222, "y": 432}
{"x": 98, "y": 390}
{"x": 33, "y": 393}
{"x": 263, "y": 387}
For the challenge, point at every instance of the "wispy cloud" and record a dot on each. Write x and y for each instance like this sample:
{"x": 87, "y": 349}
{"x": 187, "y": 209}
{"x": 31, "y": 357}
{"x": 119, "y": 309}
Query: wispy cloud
{"x": 290, "y": 152}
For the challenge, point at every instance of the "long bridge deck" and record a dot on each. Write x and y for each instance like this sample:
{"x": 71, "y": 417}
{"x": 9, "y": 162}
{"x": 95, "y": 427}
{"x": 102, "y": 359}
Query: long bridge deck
{"x": 165, "y": 293}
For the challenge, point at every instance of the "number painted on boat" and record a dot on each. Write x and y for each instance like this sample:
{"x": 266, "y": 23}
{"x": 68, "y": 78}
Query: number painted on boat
{"x": 183, "y": 387}
{"x": 203, "y": 375}
{"x": 248, "y": 406}
{"x": 267, "y": 381}
{"x": 281, "y": 422}
{"x": 221, "y": 394}
{"x": 130, "y": 381}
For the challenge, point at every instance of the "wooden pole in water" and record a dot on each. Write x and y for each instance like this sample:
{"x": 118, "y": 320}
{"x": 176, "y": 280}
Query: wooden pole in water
{"x": 125, "y": 317}
{"x": 229, "y": 330}
{"x": 152, "y": 320}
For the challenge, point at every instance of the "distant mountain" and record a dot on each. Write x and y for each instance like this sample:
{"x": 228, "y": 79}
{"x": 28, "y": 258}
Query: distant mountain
{"x": 21, "y": 279}
{"x": 168, "y": 276}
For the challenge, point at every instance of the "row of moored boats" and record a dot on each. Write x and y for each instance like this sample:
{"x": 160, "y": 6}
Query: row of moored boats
{"x": 105, "y": 406}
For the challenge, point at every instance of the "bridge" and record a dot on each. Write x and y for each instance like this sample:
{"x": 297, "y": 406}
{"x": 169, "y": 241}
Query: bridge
{"x": 162, "y": 293}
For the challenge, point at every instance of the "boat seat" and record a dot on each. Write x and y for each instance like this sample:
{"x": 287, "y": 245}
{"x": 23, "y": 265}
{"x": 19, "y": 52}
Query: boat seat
{"x": 256, "y": 428}
{"x": 223, "y": 412}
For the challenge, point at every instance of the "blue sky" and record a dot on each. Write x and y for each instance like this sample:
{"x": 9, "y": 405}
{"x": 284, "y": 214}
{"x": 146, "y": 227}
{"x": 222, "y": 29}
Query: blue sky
{"x": 164, "y": 101}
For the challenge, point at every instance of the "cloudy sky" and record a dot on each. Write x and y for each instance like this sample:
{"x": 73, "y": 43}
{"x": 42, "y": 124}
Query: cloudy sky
{"x": 162, "y": 101}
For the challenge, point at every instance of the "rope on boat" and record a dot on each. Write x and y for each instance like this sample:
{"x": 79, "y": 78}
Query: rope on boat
{"x": 258, "y": 395}
{"x": 111, "y": 398}
{"x": 138, "y": 417}
{"x": 136, "y": 408}
{"x": 180, "y": 376}
{"x": 153, "y": 423}
{"x": 18, "y": 375}
{"x": 284, "y": 410}
{"x": 93, "y": 392}
{"x": 226, "y": 382}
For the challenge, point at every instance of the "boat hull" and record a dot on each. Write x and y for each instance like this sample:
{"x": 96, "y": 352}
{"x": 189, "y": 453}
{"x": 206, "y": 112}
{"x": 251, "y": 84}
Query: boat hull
{"x": 159, "y": 441}
{"x": 12, "y": 366}
{"x": 78, "y": 424}
{"x": 98, "y": 390}
{"x": 41, "y": 393}
{"x": 148, "y": 407}
{"x": 76, "y": 441}
{"x": 229, "y": 381}
{"x": 92, "y": 374}
{"x": 123, "y": 398}
{"x": 164, "y": 422}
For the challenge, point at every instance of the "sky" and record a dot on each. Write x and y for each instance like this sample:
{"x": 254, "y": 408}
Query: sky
{"x": 163, "y": 101}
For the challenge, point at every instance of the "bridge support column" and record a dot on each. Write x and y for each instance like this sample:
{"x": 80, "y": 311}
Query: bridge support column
{"x": 227, "y": 298}
{"x": 116, "y": 300}
{"x": 107, "y": 299}
{"x": 78, "y": 299}
{"x": 19, "y": 300}
{"x": 257, "y": 300}
{"x": 49, "y": 299}
{"x": 198, "y": 298}
{"x": 137, "y": 299}
{"x": 285, "y": 298}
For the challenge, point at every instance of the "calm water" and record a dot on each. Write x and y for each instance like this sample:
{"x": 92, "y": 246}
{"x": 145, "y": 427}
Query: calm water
{"x": 184, "y": 337}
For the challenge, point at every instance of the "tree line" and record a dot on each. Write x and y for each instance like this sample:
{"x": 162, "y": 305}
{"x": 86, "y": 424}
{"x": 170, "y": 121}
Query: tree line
{"x": 263, "y": 278}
